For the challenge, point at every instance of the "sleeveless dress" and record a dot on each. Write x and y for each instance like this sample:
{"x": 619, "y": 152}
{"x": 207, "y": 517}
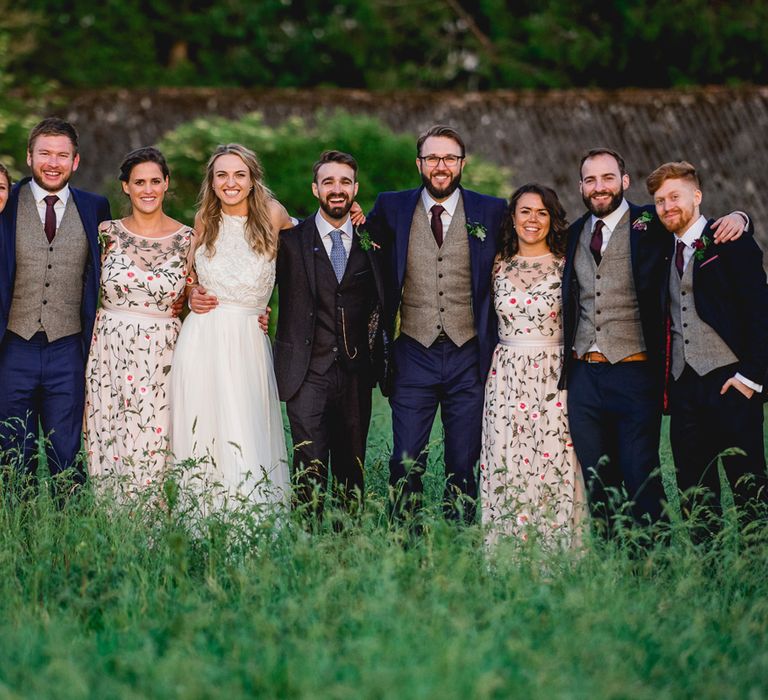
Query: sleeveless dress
{"x": 530, "y": 476}
{"x": 226, "y": 411}
{"x": 127, "y": 414}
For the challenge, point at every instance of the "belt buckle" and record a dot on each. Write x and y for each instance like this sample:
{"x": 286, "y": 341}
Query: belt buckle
{"x": 591, "y": 360}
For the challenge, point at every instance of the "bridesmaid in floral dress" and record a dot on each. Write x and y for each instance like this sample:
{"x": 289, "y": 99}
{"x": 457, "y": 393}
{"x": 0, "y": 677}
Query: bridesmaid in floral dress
{"x": 531, "y": 481}
{"x": 144, "y": 270}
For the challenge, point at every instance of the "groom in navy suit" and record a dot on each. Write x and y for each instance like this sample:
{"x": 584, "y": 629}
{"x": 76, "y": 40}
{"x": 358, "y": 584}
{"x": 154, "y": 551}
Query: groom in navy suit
{"x": 438, "y": 245}
{"x": 717, "y": 304}
{"x": 49, "y": 288}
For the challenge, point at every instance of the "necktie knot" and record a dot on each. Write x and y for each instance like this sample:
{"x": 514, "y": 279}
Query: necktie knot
{"x": 437, "y": 223}
{"x": 596, "y": 244}
{"x": 49, "y": 225}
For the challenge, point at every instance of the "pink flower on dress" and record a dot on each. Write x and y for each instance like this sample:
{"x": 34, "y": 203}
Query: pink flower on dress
{"x": 129, "y": 378}
{"x": 493, "y": 372}
{"x": 159, "y": 429}
{"x": 131, "y": 275}
{"x": 526, "y": 461}
{"x": 559, "y": 404}
{"x": 150, "y": 277}
{"x": 522, "y": 406}
{"x": 535, "y": 365}
{"x": 143, "y": 390}
{"x": 553, "y": 314}
{"x": 541, "y": 476}
{"x": 569, "y": 444}
{"x": 528, "y": 300}
{"x": 115, "y": 458}
{"x": 522, "y": 519}
{"x": 513, "y": 300}
{"x": 535, "y": 415}
{"x": 527, "y": 330}
{"x": 546, "y": 455}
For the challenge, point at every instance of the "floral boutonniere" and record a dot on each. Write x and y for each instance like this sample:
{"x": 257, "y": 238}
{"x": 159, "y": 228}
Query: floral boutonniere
{"x": 700, "y": 246}
{"x": 477, "y": 230}
{"x": 366, "y": 242}
{"x": 641, "y": 222}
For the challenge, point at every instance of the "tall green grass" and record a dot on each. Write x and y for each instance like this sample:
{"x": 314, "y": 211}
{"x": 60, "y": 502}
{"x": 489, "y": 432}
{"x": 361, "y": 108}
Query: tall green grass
{"x": 152, "y": 599}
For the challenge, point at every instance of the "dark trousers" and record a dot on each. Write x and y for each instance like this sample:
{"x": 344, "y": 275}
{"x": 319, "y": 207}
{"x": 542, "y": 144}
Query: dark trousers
{"x": 41, "y": 383}
{"x": 614, "y": 412}
{"x": 703, "y": 424}
{"x": 329, "y": 417}
{"x": 447, "y": 376}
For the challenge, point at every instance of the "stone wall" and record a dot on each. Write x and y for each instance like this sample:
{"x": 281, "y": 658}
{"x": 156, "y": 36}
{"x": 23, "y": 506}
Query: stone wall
{"x": 539, "y": 135}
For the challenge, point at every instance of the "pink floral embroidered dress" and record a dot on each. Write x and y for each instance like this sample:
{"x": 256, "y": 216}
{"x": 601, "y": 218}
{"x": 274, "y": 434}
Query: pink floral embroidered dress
{"x": 127, "y": 417}
{"x": 530, "y": 476}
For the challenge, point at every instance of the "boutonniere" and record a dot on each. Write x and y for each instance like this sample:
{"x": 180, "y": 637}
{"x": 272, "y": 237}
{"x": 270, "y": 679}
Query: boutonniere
{"x": 700, "y": 246}
{"x": 366, "y": 242}
{"x": 477, "y": 230}
{"x": 641, "y": 222}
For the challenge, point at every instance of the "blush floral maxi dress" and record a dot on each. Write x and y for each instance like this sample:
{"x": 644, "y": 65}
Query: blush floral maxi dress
{"x": 127, "y": 418}
{"x": 530, "y": 478}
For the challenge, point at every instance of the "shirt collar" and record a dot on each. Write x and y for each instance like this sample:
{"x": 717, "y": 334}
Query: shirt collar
{"x": 39, "y": 193}
{"x": 694, "y": 232}
{"x": 449, "y": 204}
{"x": 324, "y": 228}
{"x": 612, "y": 219}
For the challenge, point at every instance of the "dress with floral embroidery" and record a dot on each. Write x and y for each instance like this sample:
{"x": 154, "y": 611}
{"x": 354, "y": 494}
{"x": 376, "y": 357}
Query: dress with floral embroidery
{"x": 530, "y": 476}
{"x": 127, "y": 417}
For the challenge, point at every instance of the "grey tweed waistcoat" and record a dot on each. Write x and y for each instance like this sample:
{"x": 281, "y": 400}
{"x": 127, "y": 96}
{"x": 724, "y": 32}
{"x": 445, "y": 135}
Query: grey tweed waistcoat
{"x": 48, "y": 289}
{"x": 437, "y": 292}
{"x": 693, "y": 342}
{"x": 609, "y": 314}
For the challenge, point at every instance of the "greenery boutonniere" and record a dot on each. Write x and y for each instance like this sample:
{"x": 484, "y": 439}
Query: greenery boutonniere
{"x": 105, "y": 241}
{"x": 700, "y": 246}
{"x": 477, "y": 230}
{"x": 366, "y": 242}
{"x": 641, "y": 222}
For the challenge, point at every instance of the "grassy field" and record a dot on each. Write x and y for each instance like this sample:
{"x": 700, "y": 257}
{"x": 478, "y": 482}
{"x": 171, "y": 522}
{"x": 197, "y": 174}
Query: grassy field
{"x": 151, "y": 600}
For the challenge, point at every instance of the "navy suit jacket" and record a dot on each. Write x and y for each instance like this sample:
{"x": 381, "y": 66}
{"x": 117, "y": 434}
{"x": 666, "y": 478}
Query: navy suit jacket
{"x": 731, "y": 296}
{"x": 649, "y": 249}
{"x": 93, "y": 209}
{"x": 390, "y": 225}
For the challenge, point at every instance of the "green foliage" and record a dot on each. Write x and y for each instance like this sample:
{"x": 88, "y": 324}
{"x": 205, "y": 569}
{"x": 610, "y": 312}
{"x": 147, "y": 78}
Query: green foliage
{"x": 151, "y": 598}
{"x": 287, "y": 152}
{"x": 390, "y": 44}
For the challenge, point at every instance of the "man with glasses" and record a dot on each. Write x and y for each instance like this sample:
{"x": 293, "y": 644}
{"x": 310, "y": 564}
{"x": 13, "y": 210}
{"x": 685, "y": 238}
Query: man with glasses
{"x": 438, "y": 244}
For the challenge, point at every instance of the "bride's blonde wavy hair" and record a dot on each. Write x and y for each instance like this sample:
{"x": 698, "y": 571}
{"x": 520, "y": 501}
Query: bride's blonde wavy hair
{"x": 258, "y": 225}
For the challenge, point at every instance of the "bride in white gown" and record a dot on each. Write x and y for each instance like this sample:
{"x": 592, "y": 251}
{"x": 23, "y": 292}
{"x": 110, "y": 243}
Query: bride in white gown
{"x": 225, "y": 409}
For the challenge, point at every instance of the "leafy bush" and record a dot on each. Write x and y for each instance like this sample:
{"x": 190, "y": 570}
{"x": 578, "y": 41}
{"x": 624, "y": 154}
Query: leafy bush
{"x": 287, "y": 152}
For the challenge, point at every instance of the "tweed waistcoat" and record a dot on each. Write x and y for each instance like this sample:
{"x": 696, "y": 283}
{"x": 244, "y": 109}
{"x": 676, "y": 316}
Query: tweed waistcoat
{"x": 342, "y": 311}
{"x": 693, "y": 342}
{"x": 609, "y": 314}
{"x": 437, "y": 291}
{"x": 48, "y": 288}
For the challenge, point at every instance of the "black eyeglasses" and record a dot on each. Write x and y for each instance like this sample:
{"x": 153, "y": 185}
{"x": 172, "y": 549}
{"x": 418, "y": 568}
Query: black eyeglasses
{"x": 433, "y": 161}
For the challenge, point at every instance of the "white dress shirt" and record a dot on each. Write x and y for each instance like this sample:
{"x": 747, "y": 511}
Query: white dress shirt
{"x": 689, "y": 238}
{"x": 324, "y": 229}
{"x": 40, "y": 194}
{"x": 449, "y": 206}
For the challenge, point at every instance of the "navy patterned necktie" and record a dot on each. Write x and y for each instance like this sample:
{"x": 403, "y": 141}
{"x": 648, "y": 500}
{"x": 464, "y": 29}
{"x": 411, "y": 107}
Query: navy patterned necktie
{"x": 338, "y": 254}
{"x": 596, "y": 244}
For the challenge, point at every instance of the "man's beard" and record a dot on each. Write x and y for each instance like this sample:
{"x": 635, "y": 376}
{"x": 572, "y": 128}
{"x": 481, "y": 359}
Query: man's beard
{"x": 336, "y": 212}
{"x": 46, "y": 187}
{"x": 444, "y": 193}
{"x": 613, "y": 203}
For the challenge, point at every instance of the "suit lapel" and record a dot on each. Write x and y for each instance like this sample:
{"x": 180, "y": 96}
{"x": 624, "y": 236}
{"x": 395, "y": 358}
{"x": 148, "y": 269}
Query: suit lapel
{"x": 403, "y": 232}
{"x": 309, "y": 236}
{"x": 637, "y": 236}
{"x": 473, "y": 213}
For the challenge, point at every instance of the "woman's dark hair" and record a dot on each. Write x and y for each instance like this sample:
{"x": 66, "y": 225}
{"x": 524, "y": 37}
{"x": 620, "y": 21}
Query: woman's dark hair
{"x": 558, "y": 225}
{"x": 148, "y": 154}
{"x": 5, "y": 172}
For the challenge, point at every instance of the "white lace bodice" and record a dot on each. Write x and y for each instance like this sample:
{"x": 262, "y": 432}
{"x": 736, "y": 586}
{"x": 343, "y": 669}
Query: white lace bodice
{"x": 235, "y": 273}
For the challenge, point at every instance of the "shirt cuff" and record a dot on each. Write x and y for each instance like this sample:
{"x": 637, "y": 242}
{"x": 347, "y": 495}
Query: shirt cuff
{"x": 748, "y": 382}
{"x": 743, "y": 216}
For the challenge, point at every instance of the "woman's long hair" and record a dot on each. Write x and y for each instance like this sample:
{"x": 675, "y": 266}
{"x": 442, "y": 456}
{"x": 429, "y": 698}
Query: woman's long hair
{"x": 258, "y": 226}
{"x": 558, "y": 224}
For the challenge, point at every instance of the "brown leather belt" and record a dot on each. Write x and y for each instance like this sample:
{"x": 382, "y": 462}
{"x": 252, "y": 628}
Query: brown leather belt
{"x": 599, "y": 357}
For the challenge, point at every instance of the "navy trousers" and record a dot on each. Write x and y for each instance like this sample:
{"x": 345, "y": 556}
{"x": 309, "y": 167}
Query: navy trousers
{"x": 614, "y": 412}
{"x": 704, "y": 423}
{"x": 447, "y": 376}
{"x": 41, "y": 383}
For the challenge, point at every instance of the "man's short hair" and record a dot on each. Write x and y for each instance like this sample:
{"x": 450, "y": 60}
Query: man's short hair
{"x": 440, "y": 130}
{"x": 603, "y": 152}
{"x": 53, "y": 126}
{"x": 334, "y": 157}
{"x": 675, "y": 170}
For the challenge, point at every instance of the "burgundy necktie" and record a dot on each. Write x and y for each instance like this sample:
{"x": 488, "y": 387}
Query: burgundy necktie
{"x": 50, "y": 216}
{"x": 679, "y": 262}
{"x": 437, "y": 223}
{"x": 596, "y": 244}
